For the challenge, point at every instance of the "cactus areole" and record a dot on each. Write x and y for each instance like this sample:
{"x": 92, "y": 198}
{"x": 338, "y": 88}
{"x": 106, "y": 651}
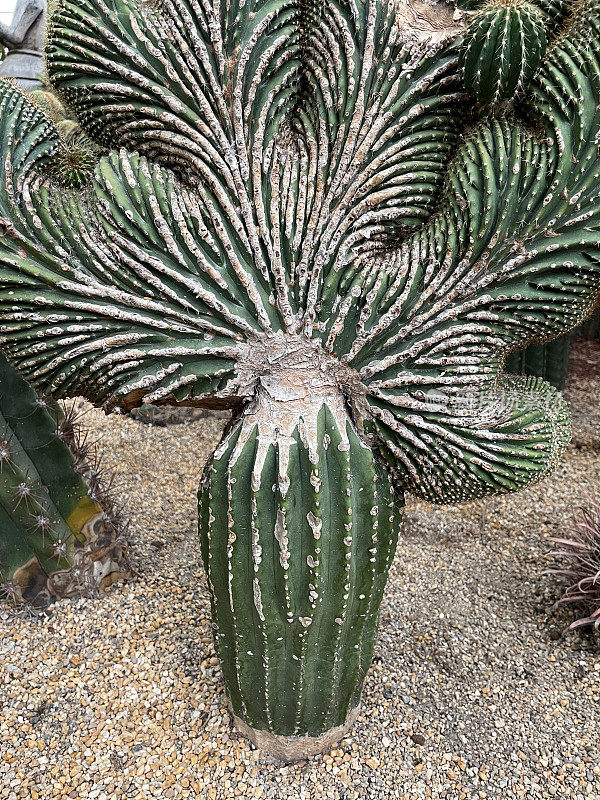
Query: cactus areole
{"x": 338, "y": 218}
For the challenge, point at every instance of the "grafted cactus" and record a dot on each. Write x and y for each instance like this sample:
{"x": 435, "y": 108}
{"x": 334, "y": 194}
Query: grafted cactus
{"x": 302, "y": 219}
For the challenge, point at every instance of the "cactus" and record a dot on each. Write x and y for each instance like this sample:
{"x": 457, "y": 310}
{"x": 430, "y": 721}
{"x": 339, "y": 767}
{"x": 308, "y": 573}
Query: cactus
{"x": 59, "y": 535}
{"x": 505, "y": 43}
{"x": 302, "y": 217}
{"x": 549, "y": 361}
{"x": 74, "y": 162}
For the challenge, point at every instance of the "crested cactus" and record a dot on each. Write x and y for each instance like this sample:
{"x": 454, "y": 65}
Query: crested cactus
{"x": 59, "y": 535}
{"x": 301, "y": 217}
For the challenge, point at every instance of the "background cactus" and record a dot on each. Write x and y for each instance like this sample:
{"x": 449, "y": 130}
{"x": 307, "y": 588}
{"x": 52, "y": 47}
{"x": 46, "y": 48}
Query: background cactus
{"x": 301, "y": 218}
{"x": 505, "y": 42}
{"x": 549, "y": 361}
{"x": 74, "y": 162}
{"x": 504, "y": 45}
{"x": 59, "y": 535}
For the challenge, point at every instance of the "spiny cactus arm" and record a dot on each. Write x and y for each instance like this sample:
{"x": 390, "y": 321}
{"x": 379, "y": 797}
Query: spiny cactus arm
{"x": 448, "y": 449}
{"x": 58, "y": 535}
{"x": 507, "y": 197}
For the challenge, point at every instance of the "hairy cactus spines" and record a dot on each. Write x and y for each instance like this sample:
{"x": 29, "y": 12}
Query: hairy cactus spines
{"x": 302, "y": 217}
{"x": 56, "y": 539}
{"x": 50, "y": 103}
{"x": 504, "y": 45}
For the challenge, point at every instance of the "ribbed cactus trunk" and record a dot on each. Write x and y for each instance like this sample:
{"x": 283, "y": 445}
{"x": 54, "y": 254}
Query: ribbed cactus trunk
{"x": 549, "y": 361}
{"x": 298, "y": 527}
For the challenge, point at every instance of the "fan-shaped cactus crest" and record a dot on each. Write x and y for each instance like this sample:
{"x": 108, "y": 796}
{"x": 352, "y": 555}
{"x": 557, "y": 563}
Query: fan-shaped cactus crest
{"x": 300, "y": 216}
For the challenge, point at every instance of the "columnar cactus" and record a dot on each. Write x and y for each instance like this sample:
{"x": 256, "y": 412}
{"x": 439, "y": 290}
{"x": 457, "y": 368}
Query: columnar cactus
{"x": 59, "y": 535}
{"x": 549, "y": 361}
{"x": 302, "y": 218}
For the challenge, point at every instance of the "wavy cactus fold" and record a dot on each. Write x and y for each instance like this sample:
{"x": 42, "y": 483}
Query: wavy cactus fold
{"x": 301, "y": 216}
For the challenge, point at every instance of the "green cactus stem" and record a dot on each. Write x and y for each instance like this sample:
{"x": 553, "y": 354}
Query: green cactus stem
{"x": 304, "y": 216}
{"x": 549, "y": 361}
{"x": 504, "y": 45}
{"x": 58, "y": 535}
{"x": 297, "y": 513}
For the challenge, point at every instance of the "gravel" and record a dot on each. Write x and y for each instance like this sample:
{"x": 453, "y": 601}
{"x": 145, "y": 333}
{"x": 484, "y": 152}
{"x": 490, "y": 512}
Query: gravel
{"x": 475, "y": 691}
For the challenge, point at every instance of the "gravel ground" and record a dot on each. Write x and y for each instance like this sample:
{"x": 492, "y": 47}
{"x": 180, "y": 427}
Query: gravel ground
{"x": 474, "y": 691}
